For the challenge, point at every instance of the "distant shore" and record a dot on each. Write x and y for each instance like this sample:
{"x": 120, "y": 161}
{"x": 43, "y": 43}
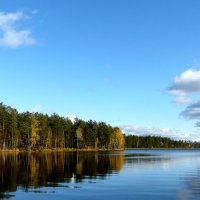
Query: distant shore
{"x": 160, "y": 148}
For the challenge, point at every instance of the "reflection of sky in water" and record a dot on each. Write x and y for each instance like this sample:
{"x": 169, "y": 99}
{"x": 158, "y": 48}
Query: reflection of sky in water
{"x": 141, "y": 174}
{"x": 175, "y": 172}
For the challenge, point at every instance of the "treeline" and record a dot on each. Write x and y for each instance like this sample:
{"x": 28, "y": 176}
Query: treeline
{"x": 132, "y": 141}
{"x": 36, "y": 130}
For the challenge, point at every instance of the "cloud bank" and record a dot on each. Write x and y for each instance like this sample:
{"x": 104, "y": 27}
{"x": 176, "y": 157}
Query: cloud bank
{"x": 155, "y": 131}
{"x": 10, "y": 33}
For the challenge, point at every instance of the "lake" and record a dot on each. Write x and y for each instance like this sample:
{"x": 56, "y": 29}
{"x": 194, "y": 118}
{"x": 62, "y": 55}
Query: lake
{"x": 130, "y": 174}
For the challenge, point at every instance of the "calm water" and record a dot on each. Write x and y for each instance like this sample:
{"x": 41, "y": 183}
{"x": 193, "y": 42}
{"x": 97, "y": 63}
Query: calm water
{"x": 132, "y": 174}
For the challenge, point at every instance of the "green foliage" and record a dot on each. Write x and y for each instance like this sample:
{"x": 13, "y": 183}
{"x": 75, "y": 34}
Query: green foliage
{"x": 29, "y": 130}
{"x": 132, "y": 141}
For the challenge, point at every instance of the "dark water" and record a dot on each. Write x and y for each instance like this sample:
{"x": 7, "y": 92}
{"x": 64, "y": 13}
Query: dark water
{"x": 132, "y": 174}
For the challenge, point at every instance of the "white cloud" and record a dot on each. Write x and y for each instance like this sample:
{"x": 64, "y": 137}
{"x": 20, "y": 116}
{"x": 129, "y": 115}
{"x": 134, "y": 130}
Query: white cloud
{"x": 186, "y": 83}
{"x": 72, "y": 117}
{"x": 180, "y": 97}
{"x": 10, "y": 35}
{"x": 36, "y": 108}
{"x": 155, "y": 131}
{"x": 41, "y": 109}
{"x": 192, "y": 111}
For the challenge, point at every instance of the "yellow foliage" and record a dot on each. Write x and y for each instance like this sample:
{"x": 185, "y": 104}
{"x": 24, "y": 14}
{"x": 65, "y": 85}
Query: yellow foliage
{"x": 34, "y": 137}
{"x": 117, "y": 139}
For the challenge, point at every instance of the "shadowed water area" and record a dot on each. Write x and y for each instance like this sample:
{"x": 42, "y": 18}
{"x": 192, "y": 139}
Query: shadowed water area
{"x": 131, "y": 174}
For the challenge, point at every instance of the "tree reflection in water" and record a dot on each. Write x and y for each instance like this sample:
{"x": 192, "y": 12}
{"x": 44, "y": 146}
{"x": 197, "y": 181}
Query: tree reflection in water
{"x": 34, "y": 170}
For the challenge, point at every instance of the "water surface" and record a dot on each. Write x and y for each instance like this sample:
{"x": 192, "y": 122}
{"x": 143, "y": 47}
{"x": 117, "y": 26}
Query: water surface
{"x": 131, "y": 174}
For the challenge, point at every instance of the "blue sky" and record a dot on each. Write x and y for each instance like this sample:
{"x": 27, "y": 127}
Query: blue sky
{"x": 113, "y": 61}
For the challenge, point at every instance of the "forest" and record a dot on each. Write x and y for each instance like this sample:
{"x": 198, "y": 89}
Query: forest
{"x": 132, "y": 141}
{"x": 36, "y": 130}
{"x": 40, "y": 131}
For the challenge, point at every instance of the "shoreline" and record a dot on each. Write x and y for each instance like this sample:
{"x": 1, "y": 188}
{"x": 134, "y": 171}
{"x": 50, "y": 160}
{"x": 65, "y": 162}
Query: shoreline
{"x": 55, "y": 150}
{"x": 38, "y": 150}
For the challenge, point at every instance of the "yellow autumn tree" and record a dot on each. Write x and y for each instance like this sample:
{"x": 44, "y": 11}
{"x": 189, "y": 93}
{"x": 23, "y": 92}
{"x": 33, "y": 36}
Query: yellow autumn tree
{"x": 79, "y": 136}
{"x": 34, "y": 137}
{"x": 117, "y": 139}
{"x": 120, "y": 138}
